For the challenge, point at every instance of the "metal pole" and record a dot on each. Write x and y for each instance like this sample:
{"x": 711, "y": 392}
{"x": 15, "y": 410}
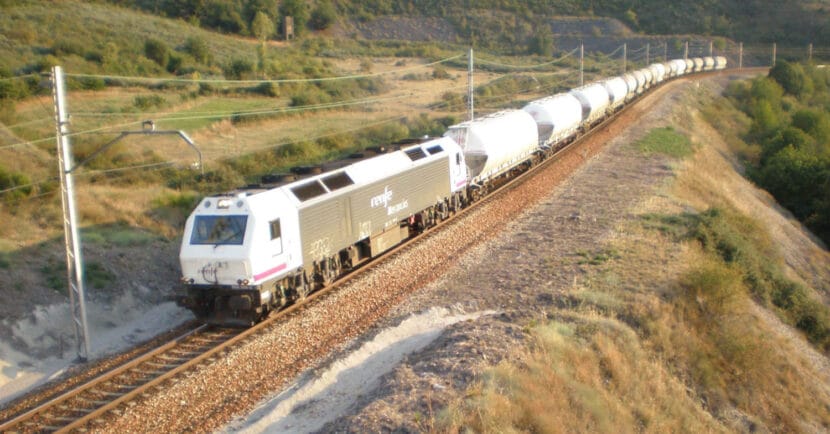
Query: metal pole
{"x": 711, "y": 49}
{"x": 625, "y": 57}
{"x": 774, "y": 48}
{"x": 74, "y": 263}
{"x": 810, "y": 53}
{"x": 470, "y": 86}
{"x": 686, "y": 51}
{"x": 741, "y": 55}
{"x": 581, "y": 64}
{"x": 666, "y": 51}
{"x": 647, "y": 53}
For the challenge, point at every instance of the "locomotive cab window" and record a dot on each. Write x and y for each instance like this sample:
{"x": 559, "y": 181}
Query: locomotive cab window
{"x": 458, "y": 159}
{"x": 219, "y": 229}
{"x": 276, "y": 232}
{"x": 276, "y": 235}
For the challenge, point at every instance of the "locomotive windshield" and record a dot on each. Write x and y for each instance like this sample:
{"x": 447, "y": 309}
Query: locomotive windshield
{"x": 216, "y": 229}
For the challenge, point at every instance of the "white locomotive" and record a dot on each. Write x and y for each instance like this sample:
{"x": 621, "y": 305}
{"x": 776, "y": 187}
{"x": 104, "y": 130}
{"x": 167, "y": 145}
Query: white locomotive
{"x": 250, "y": 251}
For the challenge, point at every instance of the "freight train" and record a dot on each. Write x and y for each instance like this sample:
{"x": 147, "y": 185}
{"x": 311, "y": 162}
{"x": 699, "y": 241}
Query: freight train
{"x": 257, "y": 249}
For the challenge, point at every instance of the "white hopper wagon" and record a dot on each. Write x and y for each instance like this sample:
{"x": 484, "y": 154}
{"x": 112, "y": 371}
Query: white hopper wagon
{"x": 658, "y": 71}
{"x": 649, "y": 77}
{"x": 708, "y": 63}
{"x": 680, "y": 66}
{"x": 557, "y": 117}
{"x": 496, "y": 143}
{"x": 641, "y": 80}
{"x": 698, "y": 64}
{"x": 594, "y": 99}
{"x": 631, "y": 85}
{"x": 617, "y": 90}
{"x": 720, "y": 63}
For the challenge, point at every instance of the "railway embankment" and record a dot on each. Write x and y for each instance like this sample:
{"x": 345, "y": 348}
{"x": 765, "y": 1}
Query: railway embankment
{"x": 612, "y": 313}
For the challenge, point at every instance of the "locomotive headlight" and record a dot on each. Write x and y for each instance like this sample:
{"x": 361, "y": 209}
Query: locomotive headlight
{"x": 223, "y": 203}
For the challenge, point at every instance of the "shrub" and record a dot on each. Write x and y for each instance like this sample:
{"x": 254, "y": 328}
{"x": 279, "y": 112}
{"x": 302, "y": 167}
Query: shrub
{"x": 198, "y": 48}
{"x": 18, "y": 185}
{"x": 323, "y": 16}
{"x": 238, "y": 69}
{"x": 174, "y": 63}
{"x": 157, "y": 51}
{"x": 65, "y": 47}
{"x": 146, "y": 102}
{"x": 440, "y": 73}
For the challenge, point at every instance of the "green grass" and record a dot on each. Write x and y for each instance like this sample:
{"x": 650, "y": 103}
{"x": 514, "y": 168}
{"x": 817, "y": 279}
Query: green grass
{"x": 666, "y": 141}
{"x": 743, "y": 246}
{"x": 597, "y": 258}
{"x": 116, "y": 236}
{"x": 97, "y": 276}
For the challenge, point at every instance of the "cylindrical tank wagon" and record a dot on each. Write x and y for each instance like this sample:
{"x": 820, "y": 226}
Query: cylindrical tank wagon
{"x": 617, "y": 91}
{"x": 708, "y": 63}
{"x": 496, "y": 143}
{"x": 631, "y": 84}
{"x": 557, "y": 118}
{"x": 594, "y": 99}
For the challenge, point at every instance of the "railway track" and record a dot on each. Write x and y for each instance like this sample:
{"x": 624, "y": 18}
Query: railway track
{"x": 105, "y": 392}
{"x": 93, "y": 401}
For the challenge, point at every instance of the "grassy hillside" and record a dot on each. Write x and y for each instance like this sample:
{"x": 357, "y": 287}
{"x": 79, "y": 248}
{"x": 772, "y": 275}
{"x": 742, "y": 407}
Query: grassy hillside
{"x": 791, "y": 23}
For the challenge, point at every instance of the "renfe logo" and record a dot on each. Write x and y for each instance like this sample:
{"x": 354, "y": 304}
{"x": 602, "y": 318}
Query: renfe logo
{"x": 382, "y": 199}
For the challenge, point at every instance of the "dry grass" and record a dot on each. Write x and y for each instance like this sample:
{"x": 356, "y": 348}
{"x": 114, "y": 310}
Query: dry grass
{"x": 586, "y": 373}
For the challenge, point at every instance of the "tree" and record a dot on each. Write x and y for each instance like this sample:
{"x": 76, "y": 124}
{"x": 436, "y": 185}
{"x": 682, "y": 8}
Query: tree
{"x": 790, "y": 76}
{"x": 323, "y": 16}
{"x": 796, "y": 178}
{"x": 224, "y": 16}
{"x": 542, "y": 41}
{"x": 814, "y": 123}
{"x": 262, "y": 27}
{"x": 789, "y": 136}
